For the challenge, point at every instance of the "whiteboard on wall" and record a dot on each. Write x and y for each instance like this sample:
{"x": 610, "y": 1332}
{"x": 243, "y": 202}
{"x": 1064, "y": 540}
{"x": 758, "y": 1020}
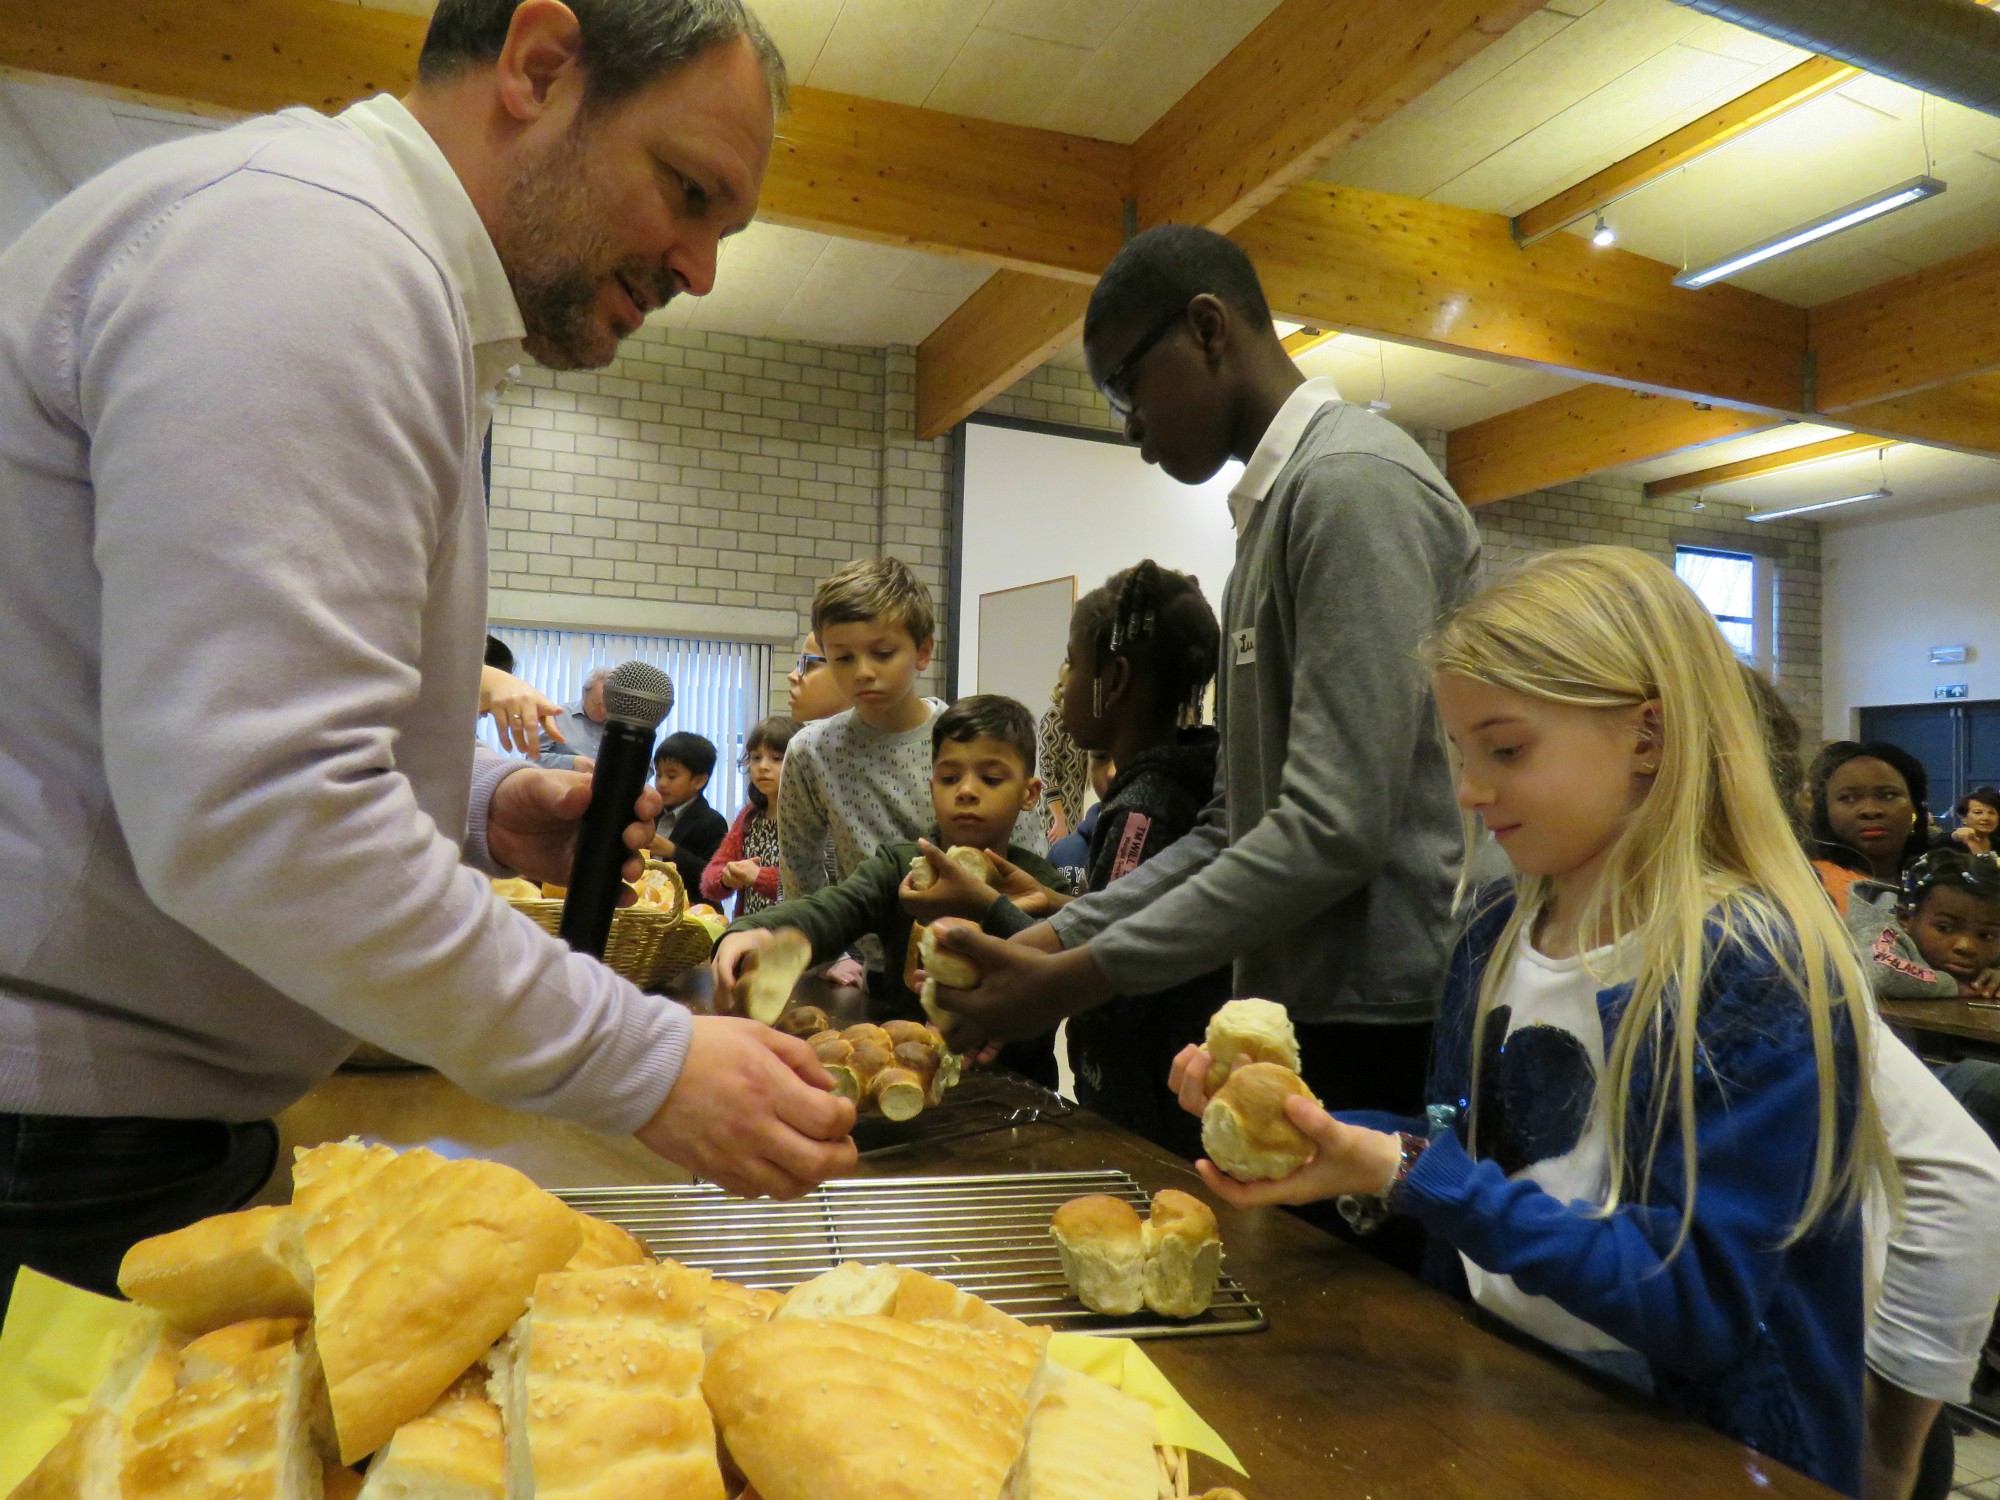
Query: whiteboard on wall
{"x": 1023, "y": 636}
{"x": 1036, "y": 504}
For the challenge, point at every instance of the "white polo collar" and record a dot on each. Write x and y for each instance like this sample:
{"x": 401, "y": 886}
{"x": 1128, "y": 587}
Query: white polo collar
{"x": 491, "y": 312}
{"x": 1275, "y": 448}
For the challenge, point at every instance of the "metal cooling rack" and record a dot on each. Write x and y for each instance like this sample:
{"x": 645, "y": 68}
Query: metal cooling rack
{"x": 985, "y": 1235}
{"x": 984, "y": 1101}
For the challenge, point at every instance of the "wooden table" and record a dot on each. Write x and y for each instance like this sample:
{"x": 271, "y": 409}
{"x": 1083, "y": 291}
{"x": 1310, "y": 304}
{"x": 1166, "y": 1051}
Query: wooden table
{"x": 1368, "y": 1385}
{"x": 1944, "y": 1030}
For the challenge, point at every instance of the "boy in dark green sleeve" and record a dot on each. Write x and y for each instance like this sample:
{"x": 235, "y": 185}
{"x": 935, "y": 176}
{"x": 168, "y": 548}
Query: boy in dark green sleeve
{"x": 982, "y": 779}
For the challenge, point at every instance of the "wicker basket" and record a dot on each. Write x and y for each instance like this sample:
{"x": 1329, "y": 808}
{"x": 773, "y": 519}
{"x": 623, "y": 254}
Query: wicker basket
{"x": 651, "y": 946}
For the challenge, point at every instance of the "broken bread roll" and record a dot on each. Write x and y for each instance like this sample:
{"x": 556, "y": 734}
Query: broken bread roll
{"x": 1183, "y": 1255}
{"x": 1103, "y": 1250}
{"x": 975, "y": 862}
{"x": 454, "y": 1451}
{"x": 599, "y": 1387}
{"x": 942, "y": 967}
{"x": 1244, "y": 1129}
{"x": 245, "y": 1432}
{"x": 1249, "y": 1031}
{"x": 773, "y": 972}
{"x": 1088, "y": 1441}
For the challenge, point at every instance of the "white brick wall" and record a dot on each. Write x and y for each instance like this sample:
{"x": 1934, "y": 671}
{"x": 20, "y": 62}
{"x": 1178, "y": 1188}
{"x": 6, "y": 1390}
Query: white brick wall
{"x": 711, "y": 469}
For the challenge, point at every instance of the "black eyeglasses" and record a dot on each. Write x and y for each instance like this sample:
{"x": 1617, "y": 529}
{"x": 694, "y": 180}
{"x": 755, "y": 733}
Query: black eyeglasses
{"x": 807, "y": 661}
{"x": 1116, "y": 384}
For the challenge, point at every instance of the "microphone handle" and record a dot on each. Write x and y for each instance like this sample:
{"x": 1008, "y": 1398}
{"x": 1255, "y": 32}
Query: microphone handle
{"x": 624, "y": 756}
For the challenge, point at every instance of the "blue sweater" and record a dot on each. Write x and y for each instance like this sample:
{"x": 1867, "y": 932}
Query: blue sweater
{"x": 1761, "y": 1341}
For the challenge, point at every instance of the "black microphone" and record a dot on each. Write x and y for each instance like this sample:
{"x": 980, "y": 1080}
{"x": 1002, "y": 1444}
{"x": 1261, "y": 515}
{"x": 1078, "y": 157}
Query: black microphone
{"x": 636, "y": 698}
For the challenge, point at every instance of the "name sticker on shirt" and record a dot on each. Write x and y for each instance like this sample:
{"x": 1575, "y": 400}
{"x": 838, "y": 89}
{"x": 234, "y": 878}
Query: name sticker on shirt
{"x": 1246, "y": 645}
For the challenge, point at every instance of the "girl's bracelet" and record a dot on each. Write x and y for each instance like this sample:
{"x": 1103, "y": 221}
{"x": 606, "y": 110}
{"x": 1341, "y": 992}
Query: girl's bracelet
{"x": 1365, "y": 1212}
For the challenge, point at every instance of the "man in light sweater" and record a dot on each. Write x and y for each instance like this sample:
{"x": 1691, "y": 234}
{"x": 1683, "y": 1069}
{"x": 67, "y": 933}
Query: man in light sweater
{"x": 1324, "y": 867}
{"x": 244, "y": 381}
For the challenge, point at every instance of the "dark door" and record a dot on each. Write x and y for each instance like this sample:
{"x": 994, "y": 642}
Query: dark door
{"x": 1958, "y": 743}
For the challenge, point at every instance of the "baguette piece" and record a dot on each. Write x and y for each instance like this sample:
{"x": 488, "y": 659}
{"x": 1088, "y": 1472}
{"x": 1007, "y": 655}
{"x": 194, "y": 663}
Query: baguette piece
{"x": 222, "y": 1270}
{"x": 1245, "y": 1131}
{"x": 244, "y": 1433}
{"x": 1088, "y": 1441}
{"x": 86, "y": 1462}
{"x": 872, "y": 1408}
{"x": 599, "y": 1387}
{"x": 418, "y": 1264}
{"x": 731, "y": 1309}
{"x": 454, "y": 1451}
{"x": 1103, "y": 1250}
{"x": 1249, "y": 1031}
{"x": 1183, "y": 1255}
{"x": 850, "y": 1289}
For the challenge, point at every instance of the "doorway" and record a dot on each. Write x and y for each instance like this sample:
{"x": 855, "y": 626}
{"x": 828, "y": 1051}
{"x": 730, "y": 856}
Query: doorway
{"x": 1958, "y": 743}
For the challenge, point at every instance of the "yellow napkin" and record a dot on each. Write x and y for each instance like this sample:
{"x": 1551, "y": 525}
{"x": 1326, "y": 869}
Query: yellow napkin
{"x": 1122, "y": 1363}
{"x": 56, "y": 1345}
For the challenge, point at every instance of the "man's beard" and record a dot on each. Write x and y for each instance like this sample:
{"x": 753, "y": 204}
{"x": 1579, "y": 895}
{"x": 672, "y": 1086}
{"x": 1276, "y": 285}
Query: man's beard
{"x": 558, "y": 257}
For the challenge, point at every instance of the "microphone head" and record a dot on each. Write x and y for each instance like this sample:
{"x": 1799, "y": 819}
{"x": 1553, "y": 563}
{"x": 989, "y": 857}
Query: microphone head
{"x": 639, "y": 694}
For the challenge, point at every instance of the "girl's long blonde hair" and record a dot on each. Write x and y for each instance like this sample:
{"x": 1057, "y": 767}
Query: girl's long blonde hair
{"x": 1610, "y": 628}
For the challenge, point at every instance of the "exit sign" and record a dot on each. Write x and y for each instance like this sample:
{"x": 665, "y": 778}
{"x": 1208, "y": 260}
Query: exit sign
{"x": 1949, "y": 690}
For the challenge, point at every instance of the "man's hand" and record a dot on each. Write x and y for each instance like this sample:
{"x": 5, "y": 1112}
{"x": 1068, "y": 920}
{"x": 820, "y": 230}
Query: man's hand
{"x": 740, "y": 874}
{"x": 520, "y": 713}
{"x": 531, "y": 825}
{"x": 1021, "y": 993}
{"x": 1188, "y": 1078}
{"x": 753, "y": 1112}
{"x": 955, "y": 893}
{"x": 847, "y": 974}
{"x": 728, "y": 966}
{"x": 1026, "y": 892}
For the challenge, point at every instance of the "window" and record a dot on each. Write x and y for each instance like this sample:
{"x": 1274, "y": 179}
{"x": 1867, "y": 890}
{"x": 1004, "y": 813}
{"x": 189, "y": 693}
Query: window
{"x": 720, "y": 687}
{"x": 1735, "y": 587}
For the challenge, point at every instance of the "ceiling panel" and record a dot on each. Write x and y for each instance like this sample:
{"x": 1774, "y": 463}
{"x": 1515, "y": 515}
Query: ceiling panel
{"x": 1426, "y": 389}
{"x": 999, "y": 75}
{"x": 1917, "y": 476}
{"x": 1728, "y": 451}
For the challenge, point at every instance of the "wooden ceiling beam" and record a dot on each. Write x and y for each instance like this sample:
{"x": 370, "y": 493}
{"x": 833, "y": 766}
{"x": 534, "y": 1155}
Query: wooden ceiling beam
{"x": 1002, "y": 194}
{"x": 1770, "y": 463}
{"x": 1580, "y": 433}
{"x": 1312, "y": 78}
{"x": 1002, "y": 331}
{"x": 1741, "y": 115}
{"x": 1929, "y": 328}
{"x": 1454, "y": 280}
{"x": 1963, "y": 416}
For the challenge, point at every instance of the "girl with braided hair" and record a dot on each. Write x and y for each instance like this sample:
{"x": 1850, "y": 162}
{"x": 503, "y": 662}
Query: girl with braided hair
{"x": 1142, "y": 652}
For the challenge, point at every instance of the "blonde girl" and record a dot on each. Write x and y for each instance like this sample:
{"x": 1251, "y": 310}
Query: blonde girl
{"x": 1648, "y": 1129}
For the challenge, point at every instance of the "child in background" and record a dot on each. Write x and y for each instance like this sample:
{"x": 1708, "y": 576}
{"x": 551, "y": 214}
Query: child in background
{"x": 747, "y": 859}
{"x": 1071, "y": 852}
{"x": 862, "y": 777}
{"x": 1142, "y": 651}
{"x": 690, "y": 831}
{"x": 1936, "y": 934}
{"x": 1978, "y": 819}
{"x": 982, "y": 780}
{"x": 813, "y": 691}
{"x": 1653, "y": 1050}
{"x": 1870, "y": 814}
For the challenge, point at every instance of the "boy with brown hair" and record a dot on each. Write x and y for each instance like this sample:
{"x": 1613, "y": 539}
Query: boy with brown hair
{"x": 981, "y": 783}
{"x": 862, "y": 777}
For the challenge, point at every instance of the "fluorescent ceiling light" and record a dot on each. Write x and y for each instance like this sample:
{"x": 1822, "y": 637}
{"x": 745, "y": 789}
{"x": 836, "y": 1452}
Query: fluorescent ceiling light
{"x": 1886, "y": 201}
{"x": 1799, "y": 510}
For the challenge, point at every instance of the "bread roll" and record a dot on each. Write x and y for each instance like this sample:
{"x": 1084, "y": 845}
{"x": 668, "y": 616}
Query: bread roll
{"x": 774, "y": 971}
{"x": 872, "y": 1408}
{"x": 1249, "y": 1031}
{"x": 952, "y": 970}
{"x": 922, "y": 1298}
{"x": 517, "y": 890}
{"x": 419, "y": 1264}
{"x": 868, "y": 1031}
{"x": 898, "y": 1093}
{"x": 222, "y": 1270}
{"x": 1183, "y": 1255}
{"x": 830, "y": 1047}
{"x": 975, "y": 862}
{"x": 244, "y": 1433}
{"x": 599, "y": 1385}
{"x": 920, "y": 1058}
{"x": 454, "y": 1451}
{"x": 605, "y": 1245}
{"x": 1103, "y": 1251}
{"x": 1088, "y": 1441}
{"x": 804, "y": 1021}
{"x": 1244, "y": 1130}
{"x": 899, "y": 1032}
